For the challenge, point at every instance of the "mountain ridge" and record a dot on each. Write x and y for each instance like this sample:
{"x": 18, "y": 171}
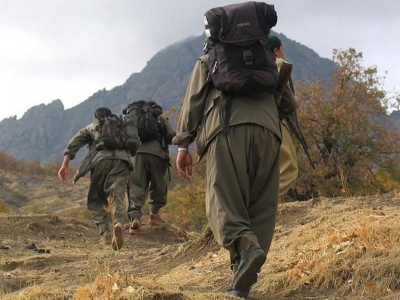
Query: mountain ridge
{"x": 44, "y": 130}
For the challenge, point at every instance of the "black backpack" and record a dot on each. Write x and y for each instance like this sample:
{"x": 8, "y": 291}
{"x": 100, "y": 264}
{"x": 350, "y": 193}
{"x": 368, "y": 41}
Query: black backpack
{"x": 147, "y": 113}
{"x": 239, "y": 60}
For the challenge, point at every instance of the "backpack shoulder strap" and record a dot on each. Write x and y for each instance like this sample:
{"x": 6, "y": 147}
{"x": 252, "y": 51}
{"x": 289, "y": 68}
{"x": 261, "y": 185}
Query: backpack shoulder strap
{"x": 204, "y": 59}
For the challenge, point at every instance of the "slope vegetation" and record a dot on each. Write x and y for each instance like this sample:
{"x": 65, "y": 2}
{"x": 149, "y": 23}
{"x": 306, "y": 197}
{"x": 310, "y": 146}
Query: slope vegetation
{"x": 341, "y": 248}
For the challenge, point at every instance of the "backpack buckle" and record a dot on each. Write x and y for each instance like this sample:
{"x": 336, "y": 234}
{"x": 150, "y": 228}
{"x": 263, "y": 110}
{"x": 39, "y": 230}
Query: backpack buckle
{"x": 215, "y": 67}
{"x": 247, "y": 57}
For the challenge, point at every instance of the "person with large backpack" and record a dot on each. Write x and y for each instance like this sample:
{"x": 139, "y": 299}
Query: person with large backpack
{"x": 151, "y": 163}
{"x": 111, "y": 141}
{"x": 288, "y": 164}
{"x": 230, "y": 112}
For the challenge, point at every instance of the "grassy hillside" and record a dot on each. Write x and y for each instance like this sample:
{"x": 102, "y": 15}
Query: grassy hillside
{"x": 341, "y": 248}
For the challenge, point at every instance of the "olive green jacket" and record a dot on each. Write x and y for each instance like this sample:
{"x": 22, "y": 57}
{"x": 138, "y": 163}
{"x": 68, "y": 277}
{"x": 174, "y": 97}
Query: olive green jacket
{"x": 152, "y": 147}
{"x": 84, "y": 137}
{"x": 203, "y": 113}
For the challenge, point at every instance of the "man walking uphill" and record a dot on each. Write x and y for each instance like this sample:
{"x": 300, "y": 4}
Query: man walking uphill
{"x": 148, "y": 178}
{"x": 109, "y": 175}
{"x": 288, "y": 164}
{"x": 240, "y": 132}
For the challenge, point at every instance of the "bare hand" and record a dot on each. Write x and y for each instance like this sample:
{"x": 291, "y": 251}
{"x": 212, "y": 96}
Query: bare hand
{"x": 63, "y": 173}
{"x": 184, "y": 164}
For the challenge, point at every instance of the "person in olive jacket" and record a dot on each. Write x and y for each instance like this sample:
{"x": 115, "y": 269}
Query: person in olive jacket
{"x": 288, "y": 164}
{"x": 242, "y": 168}
{"x": 109, "y": 175}
{"x": 148, "y": 178}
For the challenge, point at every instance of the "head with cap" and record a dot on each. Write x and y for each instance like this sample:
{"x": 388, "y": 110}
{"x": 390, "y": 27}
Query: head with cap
{"x": 102, "y": 113}
{"x": 275, "y": 45}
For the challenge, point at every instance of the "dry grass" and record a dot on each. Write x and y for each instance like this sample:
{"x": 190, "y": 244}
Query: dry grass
{"x": 346, "y": 245}
{"x": 341, "y": 248}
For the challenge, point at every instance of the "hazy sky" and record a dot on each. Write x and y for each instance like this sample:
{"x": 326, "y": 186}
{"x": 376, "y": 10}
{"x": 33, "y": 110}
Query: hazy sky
{"x": 70, "y": 49}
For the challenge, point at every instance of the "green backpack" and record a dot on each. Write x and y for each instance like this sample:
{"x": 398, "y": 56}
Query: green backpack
{"x": 116, "y": 133}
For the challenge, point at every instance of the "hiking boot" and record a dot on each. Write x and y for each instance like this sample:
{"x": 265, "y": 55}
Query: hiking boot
{"x": 106, "y": 238}
{"x": 135, "y": 227}
{"x": 155, "y": 219}
{"x": 118, "y": 238}
{"x": 246, "y": 274}
{"x": 239, "y": 294}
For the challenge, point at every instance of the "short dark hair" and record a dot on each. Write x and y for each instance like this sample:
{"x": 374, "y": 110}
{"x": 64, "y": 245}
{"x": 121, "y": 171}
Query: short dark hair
{"x": 273, "y": 42}
{"x": 102, "y": 112}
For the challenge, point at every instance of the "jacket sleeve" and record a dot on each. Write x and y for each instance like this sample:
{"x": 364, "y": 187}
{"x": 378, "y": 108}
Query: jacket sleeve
{"x": 193, "y": 103}
{"x": 81, "y": 138}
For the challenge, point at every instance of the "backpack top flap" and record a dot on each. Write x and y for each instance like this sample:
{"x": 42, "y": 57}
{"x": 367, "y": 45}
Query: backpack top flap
{"x": 133, "y": 105}
{"x": 144, "y": 106}
{"x": 241, "y": 23}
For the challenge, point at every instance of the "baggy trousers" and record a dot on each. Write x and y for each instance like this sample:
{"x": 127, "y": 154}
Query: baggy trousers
{"x": 109, "y": 178}
{"x": 147, "y": 180}
{"x": 242, "y": 186}
{"x": 288, "y": 162}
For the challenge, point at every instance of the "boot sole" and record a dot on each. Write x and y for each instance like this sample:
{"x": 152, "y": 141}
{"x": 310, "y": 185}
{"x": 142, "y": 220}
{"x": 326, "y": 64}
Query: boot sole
{"x": 238, "y": 294}
{"x": 118, "y": 239}
{"x": 134, "y": 231}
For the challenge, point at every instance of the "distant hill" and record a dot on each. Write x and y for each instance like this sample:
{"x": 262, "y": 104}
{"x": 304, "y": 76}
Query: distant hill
{"x": 44, "y": 130}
